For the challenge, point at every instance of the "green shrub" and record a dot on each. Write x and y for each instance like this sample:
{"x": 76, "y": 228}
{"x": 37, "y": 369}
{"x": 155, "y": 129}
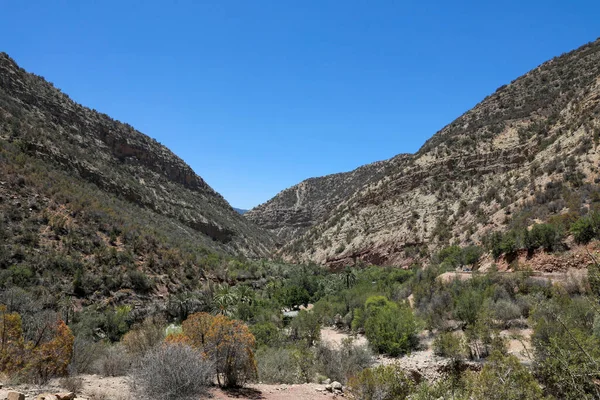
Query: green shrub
{"x": 585, "y": 229}
{"x": 504, "y": 377}
{"x": 381, "y": 383}
{"x": 277, "y": 365}
{"x": 390, "y": 328}
{"x": 448, "y": 344}
{"x": 266, "y": 334}
{"x": 306, "y": 327}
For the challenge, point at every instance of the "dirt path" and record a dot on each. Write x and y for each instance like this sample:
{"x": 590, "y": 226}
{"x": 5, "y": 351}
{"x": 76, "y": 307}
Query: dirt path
{"x": 305, "y": 391}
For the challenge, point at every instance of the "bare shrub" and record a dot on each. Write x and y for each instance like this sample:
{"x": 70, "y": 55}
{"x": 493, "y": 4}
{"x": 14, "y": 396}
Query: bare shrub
{"x": 115, "y": 362}
{"x": 341, "y": 363}
{"x": 172, "y": 372}
{"x": 72, "y": 384}
{"x": 276, "y": 365}
{"x": 144, "y": 337}
{"x": 505, "y": 310}
{"x": 85, "y": 354}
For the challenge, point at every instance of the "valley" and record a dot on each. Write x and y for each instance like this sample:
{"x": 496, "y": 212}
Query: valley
{"x": 468, "y": 270}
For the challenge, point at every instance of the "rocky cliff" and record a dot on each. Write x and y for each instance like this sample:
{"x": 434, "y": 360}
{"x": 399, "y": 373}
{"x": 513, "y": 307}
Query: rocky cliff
{"x": 526, "y": 153}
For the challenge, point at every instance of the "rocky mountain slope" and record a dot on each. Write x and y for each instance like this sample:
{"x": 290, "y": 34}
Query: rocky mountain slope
{"x": 526, "y": 153}
{"x": 117, "y": 159}
{"x": 294, "y": 210}
{"x": 90, "y": 206}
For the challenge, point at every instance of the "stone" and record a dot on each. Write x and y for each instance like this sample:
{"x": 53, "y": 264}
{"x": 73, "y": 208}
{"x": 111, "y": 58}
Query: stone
{"x": 329, "y": 388}
{"x": 327, "y": 381}
{"x": 335, "y": 385}
{"x": 15, "y": 396}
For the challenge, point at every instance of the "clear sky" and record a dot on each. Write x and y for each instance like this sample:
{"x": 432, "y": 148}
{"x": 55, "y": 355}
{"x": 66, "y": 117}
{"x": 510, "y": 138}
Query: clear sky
{"x": 259, "y": 95}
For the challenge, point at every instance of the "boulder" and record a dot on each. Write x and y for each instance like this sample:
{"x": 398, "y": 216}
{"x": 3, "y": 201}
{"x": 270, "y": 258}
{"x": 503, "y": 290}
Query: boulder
{"x": 336, "y": 386}
{"x": 329, "y": 388}
{"x": 15, "y": 396}
{"x": 327, "y": 381}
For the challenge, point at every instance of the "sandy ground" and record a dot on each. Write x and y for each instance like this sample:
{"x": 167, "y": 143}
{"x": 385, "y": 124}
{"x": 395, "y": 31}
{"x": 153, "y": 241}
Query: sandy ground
{"x": 334, "y": 337}
{"x": 96, "y": 387}
{"x": 276, "y": 392}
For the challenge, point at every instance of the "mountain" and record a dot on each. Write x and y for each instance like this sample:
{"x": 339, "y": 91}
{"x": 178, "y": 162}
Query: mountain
{"x": 527, "y": 153}
{"x": 294, "y": 210}
{"x": 240, "y": 211}
{"x": 77, "y": 186}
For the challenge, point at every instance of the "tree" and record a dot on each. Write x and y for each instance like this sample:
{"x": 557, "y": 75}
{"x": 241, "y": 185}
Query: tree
{"x": 51, "y": 358}
{"x": 47, "y": 356}
{"x": 230, "y": 344}
{"x": 196, "y": 327}
{"x": 306, "y": 326}
{"x": 12, "y": 345}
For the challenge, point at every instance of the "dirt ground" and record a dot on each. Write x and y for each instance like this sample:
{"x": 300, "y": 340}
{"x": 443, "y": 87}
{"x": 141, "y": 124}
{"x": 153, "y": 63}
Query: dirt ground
{"x": 96, "y": 387}
{"x": 334, "y": 338}
{"x": 276, "y": 392}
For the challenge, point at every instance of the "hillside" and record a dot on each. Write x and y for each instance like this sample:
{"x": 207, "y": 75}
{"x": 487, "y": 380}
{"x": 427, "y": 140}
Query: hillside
{"x": 294, "y": 210}
{"x": 78, "y": 189}
{"x": 525, "y": 153}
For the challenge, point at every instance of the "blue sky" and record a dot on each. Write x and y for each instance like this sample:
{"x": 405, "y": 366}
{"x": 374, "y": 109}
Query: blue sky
{"x": 259, "y": 95}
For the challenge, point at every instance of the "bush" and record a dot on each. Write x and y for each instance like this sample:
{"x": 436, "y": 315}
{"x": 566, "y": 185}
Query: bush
{"x": 172, "y": 372}
{"x": 266, "y": 334}
{"x": 505, "y": 310}
{"x": 46, "y": 356}
{"x": 86, "y": 353}
{"x": 230, "y": 344}
{"x": 307, "y": 327}
{"x": 340, "y": 364}
{"x": 114, "y": 362}
{"x": 277, "y": 365}
{"x": 144, "y": 337}
{"x": 504, "y": 377}
{"x": 381, "y": 383}
{"x": 390, "y": 328}
{"x": 583, "y": 230}
{"x": 447, "y": 344}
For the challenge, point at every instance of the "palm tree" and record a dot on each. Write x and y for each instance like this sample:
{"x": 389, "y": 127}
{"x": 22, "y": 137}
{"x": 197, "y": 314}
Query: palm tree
{"x": 349, "y": 276}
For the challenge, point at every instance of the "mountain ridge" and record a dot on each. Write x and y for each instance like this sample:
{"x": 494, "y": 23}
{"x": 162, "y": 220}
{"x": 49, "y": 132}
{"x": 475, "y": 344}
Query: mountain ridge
{"x": 471, "y": 177}
{"x": 46, "y": 124}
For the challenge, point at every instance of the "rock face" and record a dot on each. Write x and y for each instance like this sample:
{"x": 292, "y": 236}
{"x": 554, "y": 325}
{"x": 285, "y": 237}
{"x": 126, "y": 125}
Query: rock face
{"x": 524, "y": 154}
{"x": 119, "y": 160}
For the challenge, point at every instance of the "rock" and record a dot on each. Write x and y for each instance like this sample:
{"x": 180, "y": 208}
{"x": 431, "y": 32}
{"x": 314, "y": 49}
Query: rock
{"x": 336, "y": 386}
{"x": 329, "y": 388}
{"x": 65, "y": 396}
{"x": 327, "y": 381}
{"x": 15, "y": 396}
